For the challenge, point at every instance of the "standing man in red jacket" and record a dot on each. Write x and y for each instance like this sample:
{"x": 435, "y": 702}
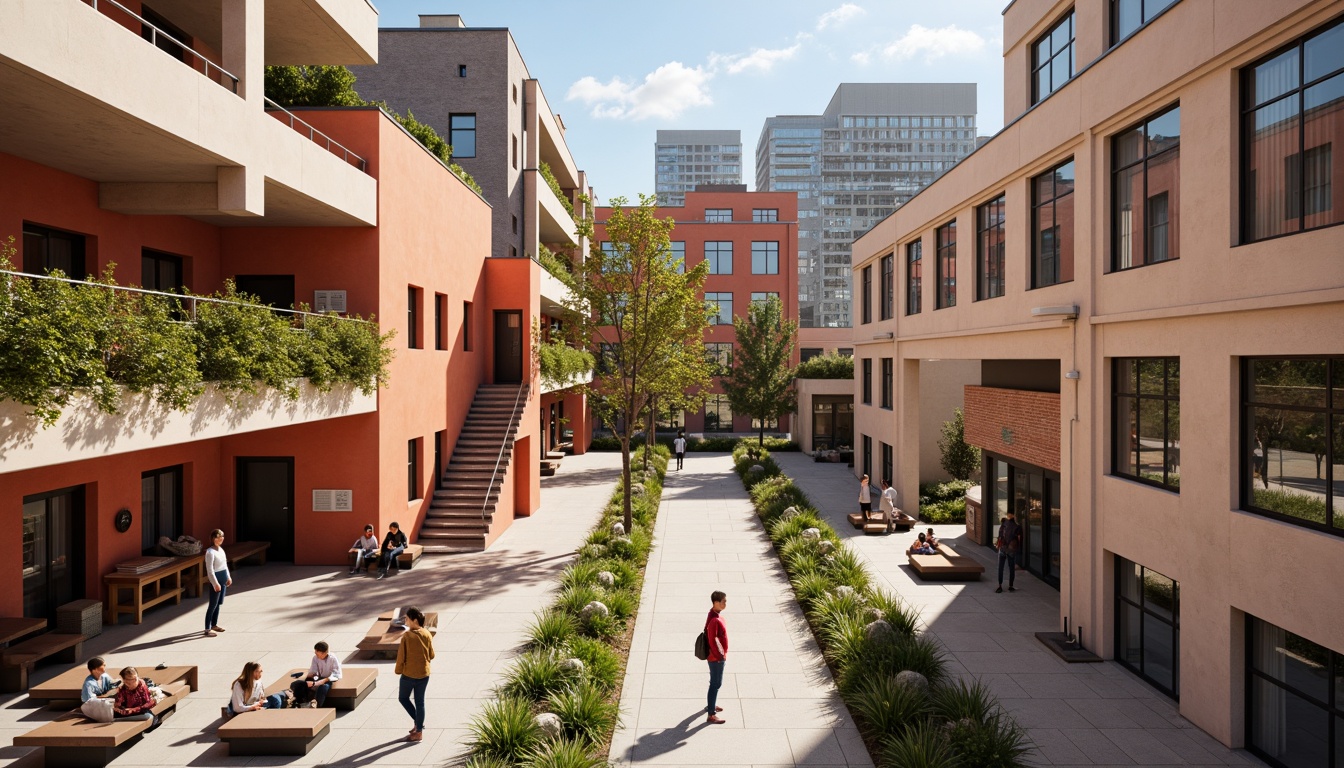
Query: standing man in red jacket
{"x": 716, "y": 632}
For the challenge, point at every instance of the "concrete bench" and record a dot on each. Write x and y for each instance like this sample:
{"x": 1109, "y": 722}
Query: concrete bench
{"x": 67, "y": 686}
{"x": 18, "y": 660}
{"x": 355, "y": 685}
{"x": 276, "y": 731}
{"x": 405, "y": 561}
{"x": 241, "y": 550}
{"x": 947, "y": 564}
{"x": 74, "y": 741}
{"x": 382, "y": 640}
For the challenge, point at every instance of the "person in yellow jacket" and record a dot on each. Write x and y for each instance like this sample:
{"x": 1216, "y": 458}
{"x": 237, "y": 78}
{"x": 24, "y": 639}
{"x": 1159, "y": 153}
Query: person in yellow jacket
{"x": 413, "y": 657}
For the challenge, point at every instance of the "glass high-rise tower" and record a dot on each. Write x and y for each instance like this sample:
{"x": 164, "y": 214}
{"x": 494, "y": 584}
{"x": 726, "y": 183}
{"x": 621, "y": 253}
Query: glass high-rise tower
{"x": 684, "y": 160}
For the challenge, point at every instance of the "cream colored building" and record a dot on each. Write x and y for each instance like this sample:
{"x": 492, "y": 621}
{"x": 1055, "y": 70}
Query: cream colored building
{"x": 1145, "y": 265}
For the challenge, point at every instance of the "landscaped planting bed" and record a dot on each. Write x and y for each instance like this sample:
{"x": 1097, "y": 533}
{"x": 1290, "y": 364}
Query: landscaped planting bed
{"x": 910, "y": 709}
{"x": 560, "y": 702}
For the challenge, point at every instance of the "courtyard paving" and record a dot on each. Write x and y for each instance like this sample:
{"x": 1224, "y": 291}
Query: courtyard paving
{"x": 275, "y": 613}
{"x": 1077, "y": 714}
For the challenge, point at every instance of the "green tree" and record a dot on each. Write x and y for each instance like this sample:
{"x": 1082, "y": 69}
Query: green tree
{"x": 960, "y": 459}
{"x": 760, "y": 383}
{"x": 312, "y": 86}
{"x": 643, "y": 320}
{"x": 832, "y": 365}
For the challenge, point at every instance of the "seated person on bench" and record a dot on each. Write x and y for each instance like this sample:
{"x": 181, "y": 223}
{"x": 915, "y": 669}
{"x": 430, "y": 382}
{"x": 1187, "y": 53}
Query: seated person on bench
{"x": 932, "y": 540}
{"x": 365, "y": 549}
{"x": 394, "y": 543}
{"x": 98, "y": 683}
{"x": 922, "y": 547}
{"x": 134, "y": 701}
{"x": 249, "y": 694}
{"x": 312, "y": 689}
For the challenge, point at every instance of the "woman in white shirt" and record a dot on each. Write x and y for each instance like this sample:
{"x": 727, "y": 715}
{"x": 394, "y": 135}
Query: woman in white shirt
{"x": 249, "y": 694}
{"x": 865, "y": 498}
{"x": 217, "y": 571}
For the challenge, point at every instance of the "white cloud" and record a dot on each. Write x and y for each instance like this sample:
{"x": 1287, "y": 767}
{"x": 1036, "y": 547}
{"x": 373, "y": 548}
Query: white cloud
{"x": 760, "y": 59}
{"x": 861, "y": 58}
{"x": 840, "y": 15}
{"x": 934, "y": 43}
{"x": 665, "y": 93}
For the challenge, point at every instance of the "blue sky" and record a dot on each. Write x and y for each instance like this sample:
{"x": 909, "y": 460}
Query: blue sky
{"x": 617, "y": 72}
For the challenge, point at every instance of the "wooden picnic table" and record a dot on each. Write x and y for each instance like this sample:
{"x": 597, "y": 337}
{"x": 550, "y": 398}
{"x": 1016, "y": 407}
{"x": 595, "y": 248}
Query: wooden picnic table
{"x": 68, "y": 685}
{"x": 168, "y": 582}
{"x": 382, "y": 639}
{"x": 14, "y": 627}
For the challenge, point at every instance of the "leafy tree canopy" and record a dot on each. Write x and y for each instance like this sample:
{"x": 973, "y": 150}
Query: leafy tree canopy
{"x": 761, "y": 381}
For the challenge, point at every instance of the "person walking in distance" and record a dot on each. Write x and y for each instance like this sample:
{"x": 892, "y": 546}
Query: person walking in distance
{"x": 865, "y": 498}
{"x": 414, "y": 653}
{"x": 889, "y": 504}
{"x": 717, "y": 634}
{"x": 1009, "y": 544}
{"x": 679, "y": 446}
{"x": 217, "y": 571}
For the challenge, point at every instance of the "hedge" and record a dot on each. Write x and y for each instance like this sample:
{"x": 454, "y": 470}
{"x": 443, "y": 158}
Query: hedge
{"x": 696, "y": 444}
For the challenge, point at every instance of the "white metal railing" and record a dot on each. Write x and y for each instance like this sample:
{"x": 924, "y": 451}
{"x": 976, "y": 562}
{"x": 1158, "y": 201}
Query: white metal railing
{"x": 155, "y": 33}
{"x": 316, "y": 136}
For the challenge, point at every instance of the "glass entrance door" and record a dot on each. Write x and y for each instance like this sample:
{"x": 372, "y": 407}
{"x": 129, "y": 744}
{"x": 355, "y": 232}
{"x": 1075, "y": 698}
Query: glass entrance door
{"x": 1033, "y": 495}
{"x": 52, "y": 533}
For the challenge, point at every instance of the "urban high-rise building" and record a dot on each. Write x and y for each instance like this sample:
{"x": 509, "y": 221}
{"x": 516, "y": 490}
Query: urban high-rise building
{"x": 874, "y": 147}
{"x": 684, "y": 160}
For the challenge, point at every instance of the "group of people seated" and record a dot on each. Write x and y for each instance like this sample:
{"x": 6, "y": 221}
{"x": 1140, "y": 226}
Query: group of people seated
{"x": 926, "y": 544}
{"x": 367, "y": 550}
{"x": 131, "y": 697}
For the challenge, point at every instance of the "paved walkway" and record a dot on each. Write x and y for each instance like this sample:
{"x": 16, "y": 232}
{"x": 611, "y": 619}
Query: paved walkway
{"x": 1077, "y": 714}
{"x": 275, "y": 613}
{"x": 778, "y": 698}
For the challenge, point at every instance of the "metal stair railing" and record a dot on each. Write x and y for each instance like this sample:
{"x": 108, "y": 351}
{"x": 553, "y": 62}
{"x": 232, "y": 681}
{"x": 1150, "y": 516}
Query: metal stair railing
{"x": 508, "y": 432}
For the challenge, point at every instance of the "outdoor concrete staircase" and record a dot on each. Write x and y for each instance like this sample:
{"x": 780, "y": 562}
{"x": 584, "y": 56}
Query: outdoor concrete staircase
{"x": 463, "y": 508}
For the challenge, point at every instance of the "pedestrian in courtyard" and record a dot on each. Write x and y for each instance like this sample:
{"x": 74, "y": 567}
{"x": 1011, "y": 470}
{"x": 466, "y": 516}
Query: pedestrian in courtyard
{"x": 413, "y": 656}
{"x": 1009, "y": 544}
{"x": 889, "y": 510}
{"x": 717, "y": 634}
{"x": 217, "y": 571}
{"x": 394, "y": 543}
{"x": 249, "y": 694}
{"x": 865, "y": 498}
{"x": 679, "y": 446}
{"x": 365, "y": 549}
{"x": 312, "y": 689}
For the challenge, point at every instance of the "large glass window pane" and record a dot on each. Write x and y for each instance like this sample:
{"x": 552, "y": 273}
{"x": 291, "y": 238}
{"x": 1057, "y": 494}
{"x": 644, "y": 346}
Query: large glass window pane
{"x": 1292, "y": 442}
{"x": 1055, "y": 523}
{"x": 1173, "y": 457}
{"x": 1131, "y": 581}
{"x": 1324, "y": 53}
{"x": 1127, "y": 375}
{"x": 1286, "y": 727}
{"x": 1337, "y": 492}
{"x": 1290, "y": 382}
{"x": 1128, "y": 17}
{"x": 1273, "y": 78}
{"x": 1159, "y": 594}
{"x": 1126, "y": 219}
{"x": 1127, "y": 436}
{"x": 1130, "y": 648}
{"x": 1272, "y": 137}
{"x": 1323, "y": 108}
{"x": 1159, "y": 653}
{"x": 1152, "y": 376}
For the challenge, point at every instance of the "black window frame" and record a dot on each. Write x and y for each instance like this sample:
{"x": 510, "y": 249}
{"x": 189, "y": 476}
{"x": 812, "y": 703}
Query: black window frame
{"x": 440, "y": 321}
{"x": 1135, "y": 392}
{"x": 888, "y": 465}
{"x": 1333, "y": 707}
{"x": 946, "y": 250}
{"x": 720, "y": 401}
{"x": 914, "y": 277}
{"x": 413, "y": 469}
{"x": 1068, "y": 52}
{"x": 771, "y": 259}
{"x": 150, "y": 520}
{"x": 1247, "y": 113}
{"x": 866, "y": 301}
{"x": 886, "y": 306}
{"x": 1116, "y": 36}
{"x": 155, "y": 261}
{"x": 454, "y": 131}
{"x": 1171, "y": 224}
{"x": 991, "y": 222}
{"x": 867, "y": 381}
{"x": 1332, "y": 413}
{"x": 1039, "y": 204}
{"x": 719, "y": 256}
{"x": 39, "y": 264}
{"x": 718, "y": 300}
{"x": 888, "y": 383}
{"x": 1146, "y": 614}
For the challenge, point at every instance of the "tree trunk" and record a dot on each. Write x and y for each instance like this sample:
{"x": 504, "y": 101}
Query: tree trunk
{"x": 649, "y": 427}
{"x": 625, "y": 477}
{"x": 760, "y": 436}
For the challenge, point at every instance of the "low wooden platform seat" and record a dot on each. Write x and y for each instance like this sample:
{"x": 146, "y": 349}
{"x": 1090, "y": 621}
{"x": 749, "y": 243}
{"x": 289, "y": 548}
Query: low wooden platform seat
{"x": 382, "y": 641}
{"x": 66, "y": 686}
{"x": 241, "y": 550}
{"x": 276, "y": 731}
{"x": 947, "y": 564}
{"x": 405, "y": 561}
{"x": 133, "y": 593}
{"x": 355, "y": 685}
{"x": 548, "y": 467}
{"x": 17, "y": 660}
{"x": 74, "y": 741}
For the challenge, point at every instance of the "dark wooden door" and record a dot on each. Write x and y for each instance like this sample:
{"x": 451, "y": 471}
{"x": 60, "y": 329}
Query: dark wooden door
{"x": 508, "y": 347}
{"x": 266, "y": 504}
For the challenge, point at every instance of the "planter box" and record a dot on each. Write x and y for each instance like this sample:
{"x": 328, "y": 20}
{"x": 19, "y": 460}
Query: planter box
{"x": 82, "y": 617}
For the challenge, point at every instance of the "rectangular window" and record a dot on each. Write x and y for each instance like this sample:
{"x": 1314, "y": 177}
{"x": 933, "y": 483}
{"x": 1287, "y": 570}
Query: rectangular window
{"x": 764, "y": 215}
{"x": 440, "y": 438}
{"x": 466, "y": 326}
{"x": 462, "y": 135}
{"x": 866, "y": 299}
{"x": 807, "y": 353}
{"x": 1052, "y": 226}
{"x": 888, "y": 382}
{"x": 1291, "y": 111}
{"x": 1128, "y": 15}
{"x": 1146, "y": 394}
{"x": 515, "y": 152}
{"x": 760, "y": 297}
{"x": 679, "y": 255}
{"x": 440, "y": 321}
{"x": 947, "y": 266}
{"x": 718, "y": 414}
{"x": 1146, "y": 192}
{"x": 1294, "y": 698}
{"x": 764, "y": 257}
{"x": 719, "y": 254}
{"x": 867, "y": 381}
{"x": 769, "y": 424}
{"x": 1293, "y": 428}
{"x": 413, "y": 469}
{"x": 720, "y": 306}
{"x": 914, "y": 282}
{"x": 888, "y": 466}
{"x": 720, "y": 354}
{"x": 160, "y": 507}
{"x": 161, "y": 272}
{"x": 718, "y": 215}
{"x": 1148, "y": 625}
{"x": 461, "y": 70}
{"x": 989, "y": 249}
{"x": 413, "y": 340}
{"x": 868, "y": 460}
{"x": 887, "y": 304}
{"x": 1052, "y": 59}
{"x": 46, "y": 250}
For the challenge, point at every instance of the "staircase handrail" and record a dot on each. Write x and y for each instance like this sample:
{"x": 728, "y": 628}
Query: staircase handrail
{"x": 502, "y": 444}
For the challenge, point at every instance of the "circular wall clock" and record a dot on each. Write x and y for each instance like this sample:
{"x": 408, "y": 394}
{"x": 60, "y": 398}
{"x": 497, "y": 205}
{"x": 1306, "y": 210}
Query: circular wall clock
{"x": 123, "y": 520}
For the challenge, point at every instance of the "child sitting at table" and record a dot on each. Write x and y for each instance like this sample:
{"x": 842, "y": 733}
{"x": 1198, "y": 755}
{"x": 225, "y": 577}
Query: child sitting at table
{"x": 98, "y": 683}
{"x": 134, "y": 701}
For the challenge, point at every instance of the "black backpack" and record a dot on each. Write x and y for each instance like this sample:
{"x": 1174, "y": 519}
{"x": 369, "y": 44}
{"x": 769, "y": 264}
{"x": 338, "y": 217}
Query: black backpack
{"x": 702, "y": 647}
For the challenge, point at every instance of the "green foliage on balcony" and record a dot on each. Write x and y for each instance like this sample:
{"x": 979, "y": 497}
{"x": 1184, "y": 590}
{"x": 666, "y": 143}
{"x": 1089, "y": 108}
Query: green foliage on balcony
{"x": 557, "y": 265}
{"x": 59, "y": 339}
{"x": 561, "y": 363}
{"x": 551, "y": 182}
{"x": 829, "y": 366}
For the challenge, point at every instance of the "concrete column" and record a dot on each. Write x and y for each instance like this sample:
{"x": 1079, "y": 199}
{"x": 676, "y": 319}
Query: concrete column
{"x": 243, "y": 32}
{"x": 241, "y": 191}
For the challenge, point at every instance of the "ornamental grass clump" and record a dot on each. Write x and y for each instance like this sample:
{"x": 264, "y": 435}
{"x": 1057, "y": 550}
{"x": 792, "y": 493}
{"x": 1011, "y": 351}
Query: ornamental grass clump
{"x": 504, "y": 730}
{"x": 536, "y": 675}
{"x": 551, "y": 629}
{"x": 586, "y": 713}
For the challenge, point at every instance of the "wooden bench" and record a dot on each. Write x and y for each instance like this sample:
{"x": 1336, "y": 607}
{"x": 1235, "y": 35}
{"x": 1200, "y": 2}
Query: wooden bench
{"x": 18, "y": 660}
{"x": 405, "y": 561}
{"x": 382, "y": 641}
{"x": 276, "y": 731}
{"x": 67, "y": 686}
{"x": 876, "y": 524}
{"x": 241, "y": 550}
{"x": 74, "y": 741}
{"x": 169, "y": 582}
{"x": 947, "y": 564}
{"x": 355, "y": 685}
{"x": 548, "y": 467}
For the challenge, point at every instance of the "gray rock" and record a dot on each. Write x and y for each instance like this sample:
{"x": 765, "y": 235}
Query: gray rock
{"x": 638, "y": 489}
{"x": 618, "y": 528}
{"x": 812, "y": 534}
{"x": 595, "y": 608}
{"x": 550, "y": 724}
{"x": 844, "y": 590}
{"x": 825, "y": 546}
{"x": 606, "y": 579}
{"x": 879, "y": 631}
{"x": 789, "y": 513}
{"x": 872, "y": 614}
{"x": 911, "y": 679}
{"x": 572, "y": 666}
{"x": 756, "y": 469}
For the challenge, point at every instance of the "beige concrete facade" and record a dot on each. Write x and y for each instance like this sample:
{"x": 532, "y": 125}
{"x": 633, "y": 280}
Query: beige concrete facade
{"x": 1224, "y": 299}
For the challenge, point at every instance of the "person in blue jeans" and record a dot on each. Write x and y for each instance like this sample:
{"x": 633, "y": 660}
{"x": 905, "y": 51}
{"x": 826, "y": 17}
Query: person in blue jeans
{"x": 716, "y": 632}
{"x": 217, "y": 571}
{"x": 394, "y": 543}
{"x": 249, "y": 694}
{"x": 1009, "y": 544}
{"x": 414, "y": 653}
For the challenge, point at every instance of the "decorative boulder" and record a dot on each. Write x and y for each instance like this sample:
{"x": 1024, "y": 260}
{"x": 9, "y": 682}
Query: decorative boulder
{"x": 756, "y": 469}
{"x": 572, "y": 666}
{"x": 620, "y": 541}
{"x": 595, "y": 608}
{"x": 913, "y": 680}
{"x": 872, "y": 614}
{"x": 789, "y": 513}
{"x": 593, "y": 551}
{"x": 606, "y": 579}
{"x": 549, "y": 723}
{"x": 812, "y": 534}
{"x": 844, "y": 590}
{"x": 618, "y": 528}
{"x": 879, "y": 631}
{"x": 825, "y": 546}
{"x": 638, "y": 489}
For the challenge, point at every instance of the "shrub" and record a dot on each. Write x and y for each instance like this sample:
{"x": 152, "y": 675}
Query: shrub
{"x": 884, "y": 707}
{"x": 810, "y": 587}
{"x": 959, "y": 700}
{"x": 831, "y": 608}
{"x": 504, "y": 729}
{"x": 551, "y": 629}
{"x": 587, "y": 713}
{"x": 959, "y": 458}
{"x": 944, "y": 512}
{"x": 783, "y": 530}
{"x": 487, "y": 761}
{"x": 995, "y": 742}
{"x": 843, "y": 639}
{"x": 948, "y": 491}
{"x": 601, "y": 665}
{"x": 622, "y": 603}
{"x": 562, "y": 753}
{"x": 846, "y": 567}
{"x": 149, "y": 351}
{"x": 601, "y": 626}
{"x": 895, "y": 612}
{"x": 917, "y": 654}
{"x": 337, "y": 351}
{"x": 922, "y": 745}
{"x": 573, "y": 598}
{"x": 536, "y": 675}
{"x": 832, "y": 365}
{"x": 582, "y": 573}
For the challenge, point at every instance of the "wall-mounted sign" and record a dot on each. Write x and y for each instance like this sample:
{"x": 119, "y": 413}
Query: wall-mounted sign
{"x": 1007, "y": 436}
{"x": 329, "y": 301}
{"x": 332, "y": 500}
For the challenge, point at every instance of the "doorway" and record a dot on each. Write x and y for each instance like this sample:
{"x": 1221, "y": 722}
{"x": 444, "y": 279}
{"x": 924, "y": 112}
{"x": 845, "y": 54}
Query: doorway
{"x": 1033, "y": 494}
{"x": 53, "y": 531}
{"x": 508, "y": 347}
{"x": 265, "y": 507}
{"x": 832, "y": 422}
{"x": 276, "y": 291}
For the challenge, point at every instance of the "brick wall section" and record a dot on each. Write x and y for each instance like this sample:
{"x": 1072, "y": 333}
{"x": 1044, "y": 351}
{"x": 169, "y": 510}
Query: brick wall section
{"x": 1030, "y": 418}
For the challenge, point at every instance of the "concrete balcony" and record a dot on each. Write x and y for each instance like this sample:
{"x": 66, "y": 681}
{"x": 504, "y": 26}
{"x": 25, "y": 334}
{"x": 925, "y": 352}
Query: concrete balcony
{"x": 551, "y": 147}
{"x": 555, "y": 295}
{"x": 327, "y": 31}
{"x": 555, "y": 223}
{"x": 84, "y": 432}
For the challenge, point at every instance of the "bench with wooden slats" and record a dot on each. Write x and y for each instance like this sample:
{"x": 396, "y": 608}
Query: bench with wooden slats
{"x": 947, "y": 564}
{"x": 18, "y": 660}
{"x": 276, "y": 731}
{"x": 355, "y": 685}
{"x": 241, "y": 550}
{"x": 382, "y": 640}
{"x": 74, "y": 741}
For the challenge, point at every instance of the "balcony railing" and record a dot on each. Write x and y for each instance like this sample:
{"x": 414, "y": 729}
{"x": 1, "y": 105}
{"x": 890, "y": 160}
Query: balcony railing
{"x": 206, "y": 65}
{"x": 316, "y": 136}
